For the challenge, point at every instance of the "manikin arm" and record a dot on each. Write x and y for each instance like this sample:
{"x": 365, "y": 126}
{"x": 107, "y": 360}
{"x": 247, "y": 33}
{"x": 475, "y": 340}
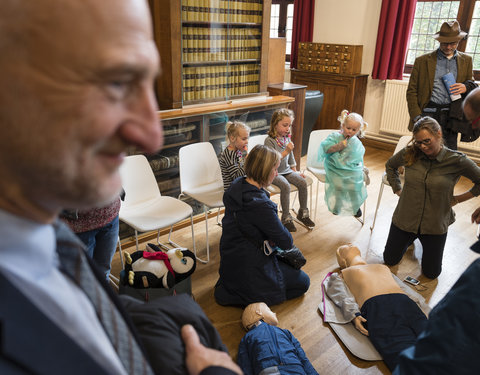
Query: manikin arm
{"x": 341, "y": 296}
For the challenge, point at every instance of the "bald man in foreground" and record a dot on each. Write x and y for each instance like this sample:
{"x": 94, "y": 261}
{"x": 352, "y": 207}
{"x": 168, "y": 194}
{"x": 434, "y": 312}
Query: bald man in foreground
{"x": 76, "y": 92}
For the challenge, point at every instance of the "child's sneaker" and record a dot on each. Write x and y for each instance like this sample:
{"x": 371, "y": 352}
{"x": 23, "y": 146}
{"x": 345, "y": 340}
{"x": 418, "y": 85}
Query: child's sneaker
{"x": 290, "y": 226}
{"x": 304, "y": 218}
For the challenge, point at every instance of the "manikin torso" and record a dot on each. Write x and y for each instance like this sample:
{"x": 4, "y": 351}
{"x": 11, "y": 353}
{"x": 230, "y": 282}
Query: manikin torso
{"x": 369, "y": 280}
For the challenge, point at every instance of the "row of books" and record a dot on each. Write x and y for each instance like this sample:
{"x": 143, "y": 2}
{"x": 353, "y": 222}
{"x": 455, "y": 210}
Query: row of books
{"x": 244, "y": 11}
{"x": 219, "y": 44}
{"x": 220, "y": 81}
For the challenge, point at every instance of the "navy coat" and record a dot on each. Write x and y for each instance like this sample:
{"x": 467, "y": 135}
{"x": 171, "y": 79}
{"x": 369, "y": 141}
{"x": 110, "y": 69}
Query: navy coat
{"x": 247, "y": 275}
{"x": 267, "y": 346}
{"x": 451, "y": 342}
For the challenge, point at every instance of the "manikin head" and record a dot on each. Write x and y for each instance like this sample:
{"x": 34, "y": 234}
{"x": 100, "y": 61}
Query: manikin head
{"x": 258, "y": 311}
{"x": 349, "y": 255}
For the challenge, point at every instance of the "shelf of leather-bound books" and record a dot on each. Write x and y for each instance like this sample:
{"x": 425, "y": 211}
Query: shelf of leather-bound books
{"x": 213, "y": 51}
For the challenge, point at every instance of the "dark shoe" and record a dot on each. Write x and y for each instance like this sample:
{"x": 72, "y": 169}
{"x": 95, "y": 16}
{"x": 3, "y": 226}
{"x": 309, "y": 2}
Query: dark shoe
{"x": 306, "y": 221}
{"x": 359, "y": 213}
{"x": 290, "y": 226}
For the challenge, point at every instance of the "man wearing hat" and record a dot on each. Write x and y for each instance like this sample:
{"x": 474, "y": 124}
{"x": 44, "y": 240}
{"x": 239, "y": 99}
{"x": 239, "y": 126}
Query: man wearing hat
{"x": 427, "y": 94}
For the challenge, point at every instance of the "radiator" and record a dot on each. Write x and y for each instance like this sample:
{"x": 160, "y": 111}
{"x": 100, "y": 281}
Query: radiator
{"x": 395, "y": 118}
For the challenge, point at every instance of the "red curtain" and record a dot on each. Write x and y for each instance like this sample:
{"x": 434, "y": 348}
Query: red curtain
{"x": 396, "y": 20}
{"x": 303, "y": 14}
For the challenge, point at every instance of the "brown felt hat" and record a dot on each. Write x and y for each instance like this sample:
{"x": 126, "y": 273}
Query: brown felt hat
{"x": 450, "y": 32}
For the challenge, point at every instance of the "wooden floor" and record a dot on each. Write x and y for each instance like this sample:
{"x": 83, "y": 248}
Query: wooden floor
{"x": 301, "y": 315}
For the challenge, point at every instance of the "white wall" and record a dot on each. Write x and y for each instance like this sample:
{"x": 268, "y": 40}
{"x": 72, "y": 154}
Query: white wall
{"x": 354, "y": 22}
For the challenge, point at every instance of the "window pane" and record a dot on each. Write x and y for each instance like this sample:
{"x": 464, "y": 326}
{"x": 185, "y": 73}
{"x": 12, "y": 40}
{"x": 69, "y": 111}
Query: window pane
{"x": 472, "y": 48}
{"x": 274, "y": 19}
{"x": 429, "y": 16}
{"x": 289, "y": 28}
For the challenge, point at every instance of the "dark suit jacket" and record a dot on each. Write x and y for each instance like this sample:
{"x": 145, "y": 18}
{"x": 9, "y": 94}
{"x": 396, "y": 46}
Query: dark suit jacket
{"x": 420, "y": 85}
{"x": 31, "y": 343}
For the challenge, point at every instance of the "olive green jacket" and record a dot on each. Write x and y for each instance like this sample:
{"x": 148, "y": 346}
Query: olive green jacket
{"x": 420, "y": 85}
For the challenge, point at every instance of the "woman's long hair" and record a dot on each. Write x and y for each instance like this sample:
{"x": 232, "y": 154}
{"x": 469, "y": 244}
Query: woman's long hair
{"x": 412, "y": 152}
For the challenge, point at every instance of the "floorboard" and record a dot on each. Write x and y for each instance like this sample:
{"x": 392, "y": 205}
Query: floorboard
{"x": 301, "y": 315}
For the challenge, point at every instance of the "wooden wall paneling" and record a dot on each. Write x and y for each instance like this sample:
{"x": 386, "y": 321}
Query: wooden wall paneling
{"x": 167, "y": 34}
{"x": 341, "y": 91}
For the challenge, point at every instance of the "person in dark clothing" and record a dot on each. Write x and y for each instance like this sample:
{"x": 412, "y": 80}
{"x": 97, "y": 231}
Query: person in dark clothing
{"x": 450, "y": 343}
{"x": 77, "y": 94}
{"x": 247, "y": 273}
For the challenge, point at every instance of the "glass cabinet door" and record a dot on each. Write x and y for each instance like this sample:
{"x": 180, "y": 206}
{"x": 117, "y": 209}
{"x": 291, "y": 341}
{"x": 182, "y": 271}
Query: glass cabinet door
{"x": 221, "y": 49}
{"x": 258, "y": 119}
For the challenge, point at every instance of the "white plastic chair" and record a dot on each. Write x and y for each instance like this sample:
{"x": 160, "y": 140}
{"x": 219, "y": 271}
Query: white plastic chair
{"x": 201, "y": 179}
{"x": 402, "y": 143}
{"x": 144, "y": 208}
{"x": 273, "y": 189}
{"x": 318, "y": 170}
{"x": 314, "y": 166}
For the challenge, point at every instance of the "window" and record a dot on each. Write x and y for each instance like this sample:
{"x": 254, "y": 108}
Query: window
{"x": 281, "y": 22}
{"x": 429, "y": 16}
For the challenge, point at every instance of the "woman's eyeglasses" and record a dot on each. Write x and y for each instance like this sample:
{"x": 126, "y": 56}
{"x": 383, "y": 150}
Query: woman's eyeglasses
{"x": 425, "y": 142}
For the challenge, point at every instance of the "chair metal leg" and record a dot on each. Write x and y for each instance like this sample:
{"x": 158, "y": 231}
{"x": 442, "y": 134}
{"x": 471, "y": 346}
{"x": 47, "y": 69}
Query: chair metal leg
{"x": 136, "y": 239}
{"x": 361, "y": 219}
{"x": 316, "y": 199}
{"x": 206, "y": 235}
{"x": 121, "y": 252}
{"x": 378, "y": 204}
{"x": 114, "y": 280}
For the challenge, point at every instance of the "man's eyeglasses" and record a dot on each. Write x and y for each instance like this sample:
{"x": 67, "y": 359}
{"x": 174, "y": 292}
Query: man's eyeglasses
{"x": 425, "y": 142}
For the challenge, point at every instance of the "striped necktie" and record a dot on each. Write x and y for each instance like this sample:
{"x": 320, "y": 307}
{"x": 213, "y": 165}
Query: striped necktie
{"x": 73, "y": 262}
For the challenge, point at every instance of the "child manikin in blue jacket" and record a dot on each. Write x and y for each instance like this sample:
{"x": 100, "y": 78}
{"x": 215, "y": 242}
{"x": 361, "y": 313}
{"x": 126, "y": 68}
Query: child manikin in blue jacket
{"x": 267, "y": 349}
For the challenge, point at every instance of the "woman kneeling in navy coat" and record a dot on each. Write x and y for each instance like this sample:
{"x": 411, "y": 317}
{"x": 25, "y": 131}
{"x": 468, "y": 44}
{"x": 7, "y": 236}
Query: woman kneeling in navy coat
{"x": 247, "y": 274}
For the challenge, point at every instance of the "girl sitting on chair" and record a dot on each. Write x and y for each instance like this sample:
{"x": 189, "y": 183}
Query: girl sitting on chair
{"x": 342, "y": 156}
{"x": 279, "y": 140}
{"x": 232, "y": 159}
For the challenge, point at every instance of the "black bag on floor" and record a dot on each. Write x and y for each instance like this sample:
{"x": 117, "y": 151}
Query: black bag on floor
{"x": 292, "y": 257}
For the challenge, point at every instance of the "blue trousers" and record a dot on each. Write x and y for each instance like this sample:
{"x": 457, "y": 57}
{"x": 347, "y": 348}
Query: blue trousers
{"x": 393, "y": 321}
{"x": 101, "y": 244}
{"x": 297, "y": 282}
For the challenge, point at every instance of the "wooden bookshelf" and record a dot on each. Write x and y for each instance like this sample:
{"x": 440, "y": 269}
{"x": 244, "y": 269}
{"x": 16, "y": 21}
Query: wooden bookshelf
{"x": 211, "y": 50}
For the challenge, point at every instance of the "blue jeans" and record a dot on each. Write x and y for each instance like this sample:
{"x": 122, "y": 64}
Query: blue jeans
{"x": 101, "y": 244}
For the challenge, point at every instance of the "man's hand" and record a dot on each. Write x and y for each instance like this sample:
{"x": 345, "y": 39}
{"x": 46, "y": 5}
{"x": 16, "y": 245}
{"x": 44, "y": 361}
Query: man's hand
{"x": 458, "y": 88}
{"x": 199, "y": 357}
{"x": 358, "y": 322}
